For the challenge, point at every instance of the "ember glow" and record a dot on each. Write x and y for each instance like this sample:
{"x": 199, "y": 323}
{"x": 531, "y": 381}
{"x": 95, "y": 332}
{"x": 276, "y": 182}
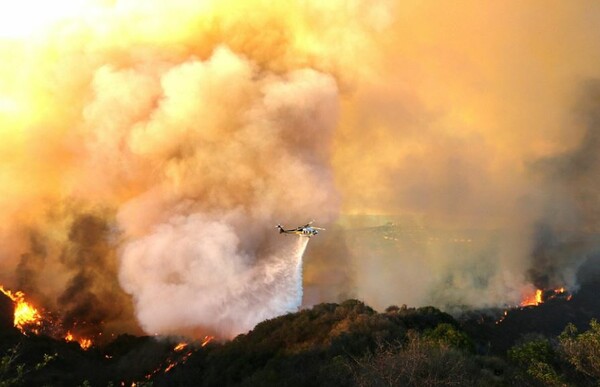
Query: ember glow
{"x": 181, "y": 353}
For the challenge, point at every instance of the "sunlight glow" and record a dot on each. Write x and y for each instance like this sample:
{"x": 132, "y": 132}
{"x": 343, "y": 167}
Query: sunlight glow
{"x": 23, "y": 18}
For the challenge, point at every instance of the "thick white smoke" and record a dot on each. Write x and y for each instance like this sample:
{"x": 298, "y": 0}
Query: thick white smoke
{"x": 192, "y": 273}
{"x": 235, "y": 151}
{"x": 183, "y": 132}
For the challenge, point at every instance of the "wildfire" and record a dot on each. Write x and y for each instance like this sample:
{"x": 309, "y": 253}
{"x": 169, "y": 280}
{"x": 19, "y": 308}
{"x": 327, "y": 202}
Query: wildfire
{"x": 83, "y": 343}
{"x": 207, "y": 339}
{"x": 26, "y": 316}
{"x": 180, "y": 346}
{"x": 179, "y": 356}
{"x": 541, "y": 296}
{"x": 533, "y": 299}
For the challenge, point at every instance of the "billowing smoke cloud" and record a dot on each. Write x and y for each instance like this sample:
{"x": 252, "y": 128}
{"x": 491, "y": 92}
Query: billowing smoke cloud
{"x": 198, "y": 128}
{"x": 477, "y": 150}
{"x": 568, "y": 231}
{"x": 149, "y": 148}
{"x": 206, "y": 281}
{"x": 238, "y": 150}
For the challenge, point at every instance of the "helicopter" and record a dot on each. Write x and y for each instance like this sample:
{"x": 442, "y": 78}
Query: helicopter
{"x": 307, "y": 230}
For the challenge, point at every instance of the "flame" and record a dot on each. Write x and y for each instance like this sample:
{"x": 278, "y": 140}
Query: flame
{"x": 29, "y": 320}
{"x": 177, "y": 357}
{"x": 26, "y": 316}
{"x": 533, "y": 299}
{"x": 83, "y": 343}
{"x": 180, "y": 346}
{"x": 207, "y": 339}
{"x": 538, "y": 297}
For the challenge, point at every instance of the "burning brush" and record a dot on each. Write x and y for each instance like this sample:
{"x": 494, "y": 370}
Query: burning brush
{"x": 28, "y": 320}
{"x": 26, "y": 317}
{"x": 539, "y": 297}
{"x": 181, "y": 353}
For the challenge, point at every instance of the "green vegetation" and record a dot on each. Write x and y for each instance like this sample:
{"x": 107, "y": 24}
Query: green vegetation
{"x": 347, "y": 344}
{"x": 352, "y": 345}
{"x": 582, "y": 350}
{"x": 13, "y": 373}
{"x": 344, "y": 345}
{"x": 537, "y": 360}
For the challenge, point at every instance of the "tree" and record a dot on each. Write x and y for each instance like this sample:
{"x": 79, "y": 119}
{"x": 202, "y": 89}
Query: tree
{"x": 420, "y": 361}
{"x": 13, "y": 373}
{"x": 448, "y": 334}
{"x": 536, "y": 358}
{"x": 582, "y": 350}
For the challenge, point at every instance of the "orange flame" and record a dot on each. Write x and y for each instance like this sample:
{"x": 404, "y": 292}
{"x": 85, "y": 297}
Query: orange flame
{"x": 83, "y": 343}
{"x": 537, "y": 298}
{"x": 180, "y": 346}
{"x": 26, "y": 316}
{"x": 207, "y": 339}
{"x": 533, "y": 300}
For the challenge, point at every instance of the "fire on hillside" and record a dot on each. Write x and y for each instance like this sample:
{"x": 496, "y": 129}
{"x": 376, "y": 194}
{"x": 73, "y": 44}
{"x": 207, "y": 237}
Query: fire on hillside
{"x": 537, "y": 298}
{"x": 30, "y": 321}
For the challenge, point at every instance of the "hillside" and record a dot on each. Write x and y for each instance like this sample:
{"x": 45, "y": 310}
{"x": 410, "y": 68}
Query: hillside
{"x": 343, "y": 344}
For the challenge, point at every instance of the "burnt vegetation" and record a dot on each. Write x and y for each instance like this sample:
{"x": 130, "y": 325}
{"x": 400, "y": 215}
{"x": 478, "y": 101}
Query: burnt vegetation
{"x": 346, "y": 344}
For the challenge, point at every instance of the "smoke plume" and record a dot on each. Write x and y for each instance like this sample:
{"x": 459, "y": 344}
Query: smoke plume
{"x": 158, "y": 146}
{"x": 481, "y": 134}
